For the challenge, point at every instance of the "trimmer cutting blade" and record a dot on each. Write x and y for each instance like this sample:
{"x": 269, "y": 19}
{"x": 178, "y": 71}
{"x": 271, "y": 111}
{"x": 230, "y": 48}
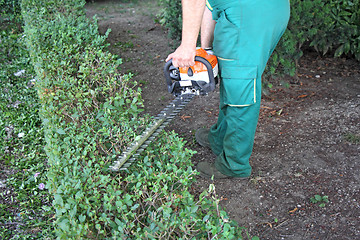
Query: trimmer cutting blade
{"x": 184, "y": 84}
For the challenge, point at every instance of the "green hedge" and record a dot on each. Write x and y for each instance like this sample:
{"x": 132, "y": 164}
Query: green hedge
{"x": 328, "y": 26}
{"x": 9, "y": 11}
{"x": 90, "y": 113}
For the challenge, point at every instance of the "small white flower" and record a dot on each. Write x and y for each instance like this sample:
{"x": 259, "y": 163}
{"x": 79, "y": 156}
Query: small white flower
{"x": 19, "y": 73}
{"x": 41, "y": 186}
{"x": 20, "y": 135}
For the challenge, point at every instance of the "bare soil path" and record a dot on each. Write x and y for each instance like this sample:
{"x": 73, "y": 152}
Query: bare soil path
{"x": 307, "y": 141}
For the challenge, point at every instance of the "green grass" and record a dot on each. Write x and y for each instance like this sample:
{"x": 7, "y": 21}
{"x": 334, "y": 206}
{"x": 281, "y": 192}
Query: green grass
{"x": 113, "y": 7}
{"x": 25, "y": 211}
{"x": 125, "y": 45}
{"x": 147, "y": 8}
{"x": 352, "y": 138}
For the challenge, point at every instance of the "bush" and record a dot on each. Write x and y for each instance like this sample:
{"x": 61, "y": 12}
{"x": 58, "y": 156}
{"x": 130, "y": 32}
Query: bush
{"x": 338, "y": 29}
{"x": 330, "y": 26}
{"x": 326, "y": 26}
{"x": 10, "y": 10}
{"x": 170, "y": 17}
{"x": 90, "y": 114}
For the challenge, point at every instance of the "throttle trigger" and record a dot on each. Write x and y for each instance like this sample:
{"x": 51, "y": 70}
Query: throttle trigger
{"x": 190, "y": 72}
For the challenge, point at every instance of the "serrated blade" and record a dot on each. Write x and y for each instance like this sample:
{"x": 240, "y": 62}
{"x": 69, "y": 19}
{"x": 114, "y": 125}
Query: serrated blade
{"x": 160, "y": 122}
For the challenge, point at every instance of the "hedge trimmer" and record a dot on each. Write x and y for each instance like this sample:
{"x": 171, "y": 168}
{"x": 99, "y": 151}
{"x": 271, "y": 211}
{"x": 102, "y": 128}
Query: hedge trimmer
{"x": 184, "y": 84}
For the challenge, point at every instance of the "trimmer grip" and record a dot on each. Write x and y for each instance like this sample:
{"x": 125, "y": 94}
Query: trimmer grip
{"x": 171, "y": 74}
{"x": 172, "y": 77}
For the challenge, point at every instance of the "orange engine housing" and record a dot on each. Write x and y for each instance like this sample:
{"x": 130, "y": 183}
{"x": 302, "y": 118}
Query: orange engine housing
{"x": 199, "y": 71}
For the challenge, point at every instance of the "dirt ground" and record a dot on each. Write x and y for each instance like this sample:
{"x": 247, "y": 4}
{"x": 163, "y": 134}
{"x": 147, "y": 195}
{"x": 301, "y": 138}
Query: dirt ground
{"x": 307, "y": 140}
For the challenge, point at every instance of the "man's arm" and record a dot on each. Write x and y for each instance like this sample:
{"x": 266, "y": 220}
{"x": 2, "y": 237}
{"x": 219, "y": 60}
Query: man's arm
{"x": 192, "y": 14}
{"x": 207, "y": 29}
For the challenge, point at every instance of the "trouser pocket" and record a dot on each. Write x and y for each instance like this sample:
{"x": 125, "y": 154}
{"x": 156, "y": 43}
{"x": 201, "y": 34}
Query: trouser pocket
{"x": 239, "y": 85}
{"x": 226, "y": 34}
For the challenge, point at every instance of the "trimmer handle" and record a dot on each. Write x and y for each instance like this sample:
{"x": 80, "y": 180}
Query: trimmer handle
{"x": 172, "y": 76}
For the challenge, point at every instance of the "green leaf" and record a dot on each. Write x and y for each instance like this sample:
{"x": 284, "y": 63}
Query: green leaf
{"x": 64, "y": 225}
{"x": 206, "y": 218}
{"x": 82, "y": 218}
{"x": 60, "y": 131}
{"x": 135, "y": 207}
{"x": 339, "y": 51}
{"x": 58, "y": 200}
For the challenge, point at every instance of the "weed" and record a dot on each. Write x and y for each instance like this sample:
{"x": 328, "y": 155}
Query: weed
{"x": 125, "y": 45}
{"x": 320, "y": 199}
{"x": 143, "y": 83}
{"x": 352, "y": 138}
{"x": 194, "y": 141}
{"x": 133, "y": 36}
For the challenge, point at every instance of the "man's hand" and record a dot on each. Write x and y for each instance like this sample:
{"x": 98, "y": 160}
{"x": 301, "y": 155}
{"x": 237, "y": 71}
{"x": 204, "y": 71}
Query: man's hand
{"x": 183, "y": 56}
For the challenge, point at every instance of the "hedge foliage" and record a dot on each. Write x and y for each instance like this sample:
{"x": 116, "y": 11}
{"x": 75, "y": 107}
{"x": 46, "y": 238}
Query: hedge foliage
{"x": 328, "y": 26}
{"x": 90, "y": 113}
{"x": 9, "y": 11}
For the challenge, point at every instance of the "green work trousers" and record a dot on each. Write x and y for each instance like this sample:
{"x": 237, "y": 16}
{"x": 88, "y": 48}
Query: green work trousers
{"x": 245, "y": 35}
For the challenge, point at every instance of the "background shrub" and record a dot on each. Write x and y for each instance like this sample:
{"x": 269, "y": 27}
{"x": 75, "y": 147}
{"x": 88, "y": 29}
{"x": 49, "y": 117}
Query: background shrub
{"x": 171, "y": 17}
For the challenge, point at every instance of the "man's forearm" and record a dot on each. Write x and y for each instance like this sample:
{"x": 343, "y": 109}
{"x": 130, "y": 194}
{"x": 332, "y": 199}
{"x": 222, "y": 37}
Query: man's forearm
{"x": 207, "y": 29}
{"x": 193, "y": 11}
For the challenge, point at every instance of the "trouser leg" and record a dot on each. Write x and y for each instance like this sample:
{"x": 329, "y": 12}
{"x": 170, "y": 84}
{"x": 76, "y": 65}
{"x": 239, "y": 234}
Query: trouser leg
{"x": 232, "y": 137}
{"x": 245, "y": 36}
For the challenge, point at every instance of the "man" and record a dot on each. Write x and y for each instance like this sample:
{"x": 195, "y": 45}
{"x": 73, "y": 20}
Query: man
{"x": 244, "y": 36}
